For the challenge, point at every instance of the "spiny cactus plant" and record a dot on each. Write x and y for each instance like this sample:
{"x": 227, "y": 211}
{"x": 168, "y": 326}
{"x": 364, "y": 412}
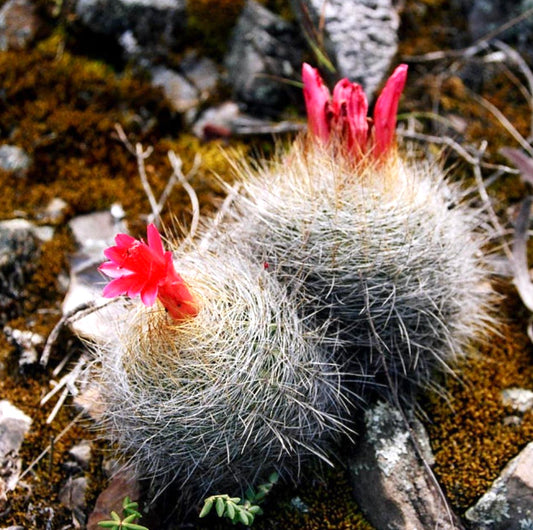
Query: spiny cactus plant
{"x": 339, "y": 266}
{"x": 221, "y": 399}
{"x": 382, "y": 252}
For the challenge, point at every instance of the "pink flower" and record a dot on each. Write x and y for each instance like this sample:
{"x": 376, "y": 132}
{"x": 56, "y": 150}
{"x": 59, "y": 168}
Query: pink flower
{"x": 386, "y": 109}
{"x": 344, "y": 115}
{"x": 316, "y": 96}
{"x": 138, "y": 268}
{"x": 349, "y": 108}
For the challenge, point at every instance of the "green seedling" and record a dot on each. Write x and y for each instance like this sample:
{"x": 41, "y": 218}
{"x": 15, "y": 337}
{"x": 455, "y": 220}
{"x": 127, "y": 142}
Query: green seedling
{"x": 130, "y": 514}
{"x": 239, "y": 510}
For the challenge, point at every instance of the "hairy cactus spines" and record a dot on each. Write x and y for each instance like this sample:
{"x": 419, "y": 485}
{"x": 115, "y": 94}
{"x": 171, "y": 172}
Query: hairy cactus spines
{"x": 339, "y": 266}
{"x": 222, "y": 399}
{"x": 382, "y": 252}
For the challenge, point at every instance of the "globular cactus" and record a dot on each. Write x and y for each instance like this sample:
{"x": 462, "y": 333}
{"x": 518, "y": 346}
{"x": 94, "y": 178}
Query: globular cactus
{"x": 339, "y": 267}
{"x": 221, "y": 400}
{"x": 387, "y": 256}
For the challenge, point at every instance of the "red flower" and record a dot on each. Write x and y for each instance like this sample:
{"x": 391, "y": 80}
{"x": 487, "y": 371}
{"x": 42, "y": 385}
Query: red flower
{"x": 138, "y": 268}
{"x": 386, "y": 109}
{"x": 345, "y": 114}
{"x": 316, "y": 96}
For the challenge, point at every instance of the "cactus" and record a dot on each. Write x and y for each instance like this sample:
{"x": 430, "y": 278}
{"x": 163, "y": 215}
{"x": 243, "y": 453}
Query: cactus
{"x": 222, "y": 399}
{"x": 340, "y": 266}
{"x": 387, "y": 257}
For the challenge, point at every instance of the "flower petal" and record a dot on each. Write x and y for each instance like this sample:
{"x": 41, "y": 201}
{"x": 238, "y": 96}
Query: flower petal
{"x": 357, "y": 112}
{"x": 349, "y": 115}
{"x": 386, "y": 109}
{"x": 149, "y": 294}
{"x": 317, "y": 97}
{"x": 112, "y": 270}
{"x": 154, "y": 240}
{"x": 124, "y": 240}
{"x": 117, "y": 287}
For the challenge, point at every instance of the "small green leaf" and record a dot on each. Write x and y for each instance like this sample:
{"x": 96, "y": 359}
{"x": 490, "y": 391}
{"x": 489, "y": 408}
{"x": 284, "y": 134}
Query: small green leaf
{"x": 250, "y": 494}
{"x": 273, "y": 478}
{"x": 129, "y": 519}
{"x": 259, "y": 496}
{"x": 255, "y": 510}
{"x": 220, "y": 506}
{"x": 230, "y": 510}
{"x": 108, "y": 524}
{"x": 133, "y": 526}
{"x": 245, "y": 518}
{"x": 208, "y": 504}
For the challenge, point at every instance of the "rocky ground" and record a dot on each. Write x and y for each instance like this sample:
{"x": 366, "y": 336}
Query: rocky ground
{"x": 83, "y": 83}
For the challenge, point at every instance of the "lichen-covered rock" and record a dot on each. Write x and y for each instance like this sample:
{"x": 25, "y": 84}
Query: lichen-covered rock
{"x": 391, "y": 483}
{"x": 519, "y": 399}
{"x": 19, "y": 24}
{"x": 264, "y": 49}
{"x": 360, "y": 36}
{"x": 508, "y": 504}
{"x": 195, "y": 81}
{"x": 13, "y": 158}
{"x": 72, "y": 496}
{"x": 19, "y": 249}
{"x": 141, "y": 27}
{"x": 14, "y": 425}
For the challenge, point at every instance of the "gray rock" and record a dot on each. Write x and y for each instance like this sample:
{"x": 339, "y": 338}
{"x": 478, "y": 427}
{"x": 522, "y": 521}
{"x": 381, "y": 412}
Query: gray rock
{"x": 14, "y": 425}
{"x": 19, "y": 24}
{"x": 485, "y": 16}
{"x": 264, "y": 49}
{"x": 181, "y": 93}
{"x": 82, "y": 453}
{"x": 360, "y": 36}
{"x": 141, "y": 27}
{"x": 13, "y": 158}
{"x": 391, "y": 483}
{"x": 72, "y": 496}
{"x": 54, "y": 212}
{"x": 93, "y": 233}
{"x": 19, "y": 250}
{"x": 508, "y": 504}
{"x": 519, "y": 399}
{"x": 217, "y": 121}
{"x": 201, "y": 72}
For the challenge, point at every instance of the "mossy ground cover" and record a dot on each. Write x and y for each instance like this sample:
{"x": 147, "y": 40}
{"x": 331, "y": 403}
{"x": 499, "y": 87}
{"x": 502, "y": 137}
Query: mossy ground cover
{"x": 62, "y": 109}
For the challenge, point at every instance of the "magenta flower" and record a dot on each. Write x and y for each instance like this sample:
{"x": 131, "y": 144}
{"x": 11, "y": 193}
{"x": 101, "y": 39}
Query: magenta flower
{"x": 317, "y": 98}
{"x": 386, "y": 109}
{"x": 344, "y": 115}
{"x": 146, "y": 269}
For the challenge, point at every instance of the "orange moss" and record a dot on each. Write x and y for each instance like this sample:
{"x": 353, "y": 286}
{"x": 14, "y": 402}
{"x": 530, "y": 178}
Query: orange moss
{"x": 470, "y": 434}
{"x": 430, "y": 25}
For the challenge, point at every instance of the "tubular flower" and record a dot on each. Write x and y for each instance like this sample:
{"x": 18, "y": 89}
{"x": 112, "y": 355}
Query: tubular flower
{"x": 146, "y": 269}
{"x": 345, "y": 114}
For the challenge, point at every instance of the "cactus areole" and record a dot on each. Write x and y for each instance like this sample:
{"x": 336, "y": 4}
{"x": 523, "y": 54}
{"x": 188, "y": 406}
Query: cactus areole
{"x": 146, "y": 269}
